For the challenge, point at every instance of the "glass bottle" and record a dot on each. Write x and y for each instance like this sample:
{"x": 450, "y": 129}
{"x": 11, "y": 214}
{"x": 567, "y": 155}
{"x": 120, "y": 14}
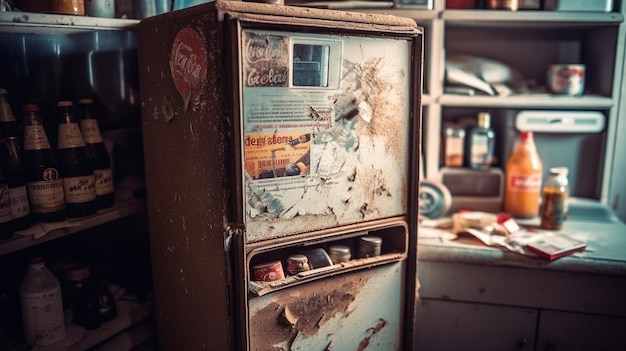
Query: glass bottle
{"x": 42, "y": 305}
{"x": 14, "y": 176}
{"x": 523, "y": 179}
{"x": 45, "y": 187}
{"x": 480, "y": 143}
{"x": 6, "y": 218}
{"x": 9, "y": 127}
{"x": 554, "y": 199}
{"x": 98, "y": 153}
{"x": 75, "y": 168}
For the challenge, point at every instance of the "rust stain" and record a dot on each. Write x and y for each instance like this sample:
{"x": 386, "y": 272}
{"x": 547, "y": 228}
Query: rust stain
{"x": 301, "y": 312}
{"x": 371, "y": 333}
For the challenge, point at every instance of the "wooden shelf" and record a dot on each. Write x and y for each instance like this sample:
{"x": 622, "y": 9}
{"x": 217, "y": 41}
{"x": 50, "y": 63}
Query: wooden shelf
{"x": 129, "y": 313}
{"x": 120, "y": 210}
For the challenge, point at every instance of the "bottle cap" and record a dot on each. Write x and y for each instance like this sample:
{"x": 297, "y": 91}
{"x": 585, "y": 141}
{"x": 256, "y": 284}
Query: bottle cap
{"x": 30, "y": 108}
{"x": 64, "y": 104}
{"x": 484, "y": 119}
{"x": 525, "y": 135}
{"x": 559, "y": 171}
{"x": 85, "y": 101}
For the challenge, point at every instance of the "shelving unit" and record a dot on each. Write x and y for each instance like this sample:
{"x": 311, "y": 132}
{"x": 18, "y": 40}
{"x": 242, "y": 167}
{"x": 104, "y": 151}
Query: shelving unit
{"x": 66, "y": 36}
{"x": 74, "y": 226}
{"x": 527, "y": 40}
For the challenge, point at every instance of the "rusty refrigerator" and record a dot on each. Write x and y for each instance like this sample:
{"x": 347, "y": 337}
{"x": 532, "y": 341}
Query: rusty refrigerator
{"x": 274, "y": 132}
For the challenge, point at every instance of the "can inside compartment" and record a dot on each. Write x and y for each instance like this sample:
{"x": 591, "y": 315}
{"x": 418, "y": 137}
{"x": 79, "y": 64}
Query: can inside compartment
{"x": 394, "y": 242}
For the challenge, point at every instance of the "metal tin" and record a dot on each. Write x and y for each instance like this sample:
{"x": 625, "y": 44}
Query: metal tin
{"x": 339, "y": 253}
{"x": 369, "y": 246}
{"x": 297, "y": 263}
{"x": 566, "y": 79}
{"x": 267, "y": 272}
{"x": 503, "y": 4}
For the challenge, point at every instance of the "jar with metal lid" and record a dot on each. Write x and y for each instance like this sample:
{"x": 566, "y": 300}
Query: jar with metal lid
{"x": 554, "y": 199}
{"x": 370, "y": 246}
{"x": 297, "y": 263}
{"x": 339, "y": 253}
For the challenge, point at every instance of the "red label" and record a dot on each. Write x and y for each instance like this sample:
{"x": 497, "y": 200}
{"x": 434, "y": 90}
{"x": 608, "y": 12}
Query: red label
{"x": 523, "y": 182}
{"x": 188, "y": 65}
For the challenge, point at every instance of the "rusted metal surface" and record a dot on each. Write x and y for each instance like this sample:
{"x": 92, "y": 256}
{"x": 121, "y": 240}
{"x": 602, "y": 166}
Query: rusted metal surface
{"x": 356, "y": 311}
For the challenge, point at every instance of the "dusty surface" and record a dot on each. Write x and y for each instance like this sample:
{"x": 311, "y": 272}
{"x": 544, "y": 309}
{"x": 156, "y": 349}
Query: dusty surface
{"x": 301, "y": 312}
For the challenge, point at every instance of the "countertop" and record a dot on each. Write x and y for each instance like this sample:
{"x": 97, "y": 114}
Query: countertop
{"x": 589, "y": 221}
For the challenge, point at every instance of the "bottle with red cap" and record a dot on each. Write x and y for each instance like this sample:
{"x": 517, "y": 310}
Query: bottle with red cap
{"x": 41, "y": 171}
{"x": 524, "y": 172}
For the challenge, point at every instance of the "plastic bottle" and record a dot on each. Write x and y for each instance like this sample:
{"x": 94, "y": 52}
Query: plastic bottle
{"x": 45, "y": 187}
{"x": 75, "y": 168}
{"x": 523, "y": 179}
{"x": 554, "y": 199}
{"x": 480, "y": 143}
{"x": 42, "y": 305}
{"x": 98, "y": 153}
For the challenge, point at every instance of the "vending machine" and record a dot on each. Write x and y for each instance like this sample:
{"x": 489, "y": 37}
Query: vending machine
{"x": 281, "y": 154}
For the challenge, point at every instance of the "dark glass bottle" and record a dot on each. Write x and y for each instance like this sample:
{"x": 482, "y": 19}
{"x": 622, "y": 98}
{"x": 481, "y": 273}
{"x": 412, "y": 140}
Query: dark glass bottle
{"x": 98, "y": 153}
{"x": 6, "y": 219}
{"x": 9, "y": 126}
{"x": 12, "y": 169}
{"x": 480, "y": 143}
{"x": 41, "y": 171}
{"x": 75, "y": 168}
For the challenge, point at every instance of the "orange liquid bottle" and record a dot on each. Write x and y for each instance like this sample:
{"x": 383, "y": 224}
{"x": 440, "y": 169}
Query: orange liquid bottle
{"x": 523, "y": 179}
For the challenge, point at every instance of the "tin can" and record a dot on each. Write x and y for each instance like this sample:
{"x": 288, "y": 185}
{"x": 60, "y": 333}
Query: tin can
{"x": 369, "y": 246}
{"x": 67, "y": 7}
{"x": 297, "y": 263}
{"x": 566, "y": 79}
{"x": 504, "y": 4}
{"x": 339, "y": 253}
{"x": 267, "y": 272}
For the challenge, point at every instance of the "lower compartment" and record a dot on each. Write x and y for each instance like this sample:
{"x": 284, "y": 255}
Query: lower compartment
{"x": 357, "y": 310}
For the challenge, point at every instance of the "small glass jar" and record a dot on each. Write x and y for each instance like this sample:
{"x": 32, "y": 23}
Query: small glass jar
{"x": 297, "y": 263}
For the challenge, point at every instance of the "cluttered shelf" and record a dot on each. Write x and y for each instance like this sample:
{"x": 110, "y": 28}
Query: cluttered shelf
{"x": 43, "y": 232}
{"x": 596, "y": 226}
{"x": 129, "y": 313}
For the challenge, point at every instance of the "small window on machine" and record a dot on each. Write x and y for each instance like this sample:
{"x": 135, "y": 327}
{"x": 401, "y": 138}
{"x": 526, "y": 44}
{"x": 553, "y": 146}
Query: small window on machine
{"x": 310, "y": 65}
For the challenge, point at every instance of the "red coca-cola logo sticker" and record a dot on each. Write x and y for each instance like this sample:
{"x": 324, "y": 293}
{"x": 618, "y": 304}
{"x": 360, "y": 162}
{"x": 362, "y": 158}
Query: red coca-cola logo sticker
{"x": 188, "y": 65}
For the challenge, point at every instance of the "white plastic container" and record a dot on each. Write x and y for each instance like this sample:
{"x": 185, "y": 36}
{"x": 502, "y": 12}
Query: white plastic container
{"x": 42, "y": 305}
